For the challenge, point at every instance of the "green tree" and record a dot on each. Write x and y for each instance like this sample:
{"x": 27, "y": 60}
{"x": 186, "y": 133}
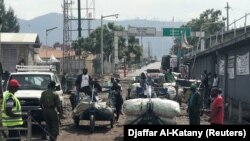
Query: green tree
{"x": 210, "y": 21}
{"x": 133, "y": 48}
{"x": 93, "y": 42}
{"x": 9, "y": 20}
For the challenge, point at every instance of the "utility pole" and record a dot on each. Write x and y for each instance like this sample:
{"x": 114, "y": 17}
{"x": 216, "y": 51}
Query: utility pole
{"x": 79, "y": 20}
{"x": 227, "y": 8}
{"x": 149, "y": 51}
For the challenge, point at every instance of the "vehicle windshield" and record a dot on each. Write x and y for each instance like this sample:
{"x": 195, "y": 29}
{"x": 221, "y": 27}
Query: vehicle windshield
{"x": 32, "y": 82}
{"x": 153, "y": 71}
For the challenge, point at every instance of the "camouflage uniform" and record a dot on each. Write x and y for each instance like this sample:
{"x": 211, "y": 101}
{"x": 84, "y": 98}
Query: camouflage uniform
{"x": 50, "y": 102}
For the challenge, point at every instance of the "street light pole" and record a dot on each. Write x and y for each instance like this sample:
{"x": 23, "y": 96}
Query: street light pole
{"x": 101, "y": 46}
{"x": 47, "y": 30}
{"x": 0, "y": 40}
{"x": 102, "y": 17}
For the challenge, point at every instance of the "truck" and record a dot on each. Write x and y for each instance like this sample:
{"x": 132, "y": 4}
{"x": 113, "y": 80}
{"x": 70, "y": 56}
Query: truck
{"x": 169, "y": 62}
{"x": 34, "y": 80}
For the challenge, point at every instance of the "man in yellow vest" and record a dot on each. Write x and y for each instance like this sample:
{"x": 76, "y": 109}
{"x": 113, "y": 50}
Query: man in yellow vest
{"x": 11, "y": 110}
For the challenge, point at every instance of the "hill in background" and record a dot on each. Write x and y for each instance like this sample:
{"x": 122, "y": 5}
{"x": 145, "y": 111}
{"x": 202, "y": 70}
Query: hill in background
{"x": 158, "y": 45}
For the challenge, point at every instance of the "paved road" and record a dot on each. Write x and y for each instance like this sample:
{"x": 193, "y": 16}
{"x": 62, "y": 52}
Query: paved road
{"x": 156, "y": 65}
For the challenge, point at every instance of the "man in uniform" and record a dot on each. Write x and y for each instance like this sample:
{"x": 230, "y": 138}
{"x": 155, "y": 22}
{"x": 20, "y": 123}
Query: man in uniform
{"x": 11, "y": 110}
{"x": 50, "y": 104}
{"x": 116, "y": 88}
{"x": 194, "y": 104}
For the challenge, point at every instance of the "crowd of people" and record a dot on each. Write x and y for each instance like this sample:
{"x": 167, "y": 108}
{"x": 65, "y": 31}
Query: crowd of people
{"x": 211, "y": 99}
{"x": 11, "y": 107}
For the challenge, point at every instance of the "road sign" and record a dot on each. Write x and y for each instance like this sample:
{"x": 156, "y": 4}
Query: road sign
{"x": 176, "y": 31}
{"x": 141, "y": 31}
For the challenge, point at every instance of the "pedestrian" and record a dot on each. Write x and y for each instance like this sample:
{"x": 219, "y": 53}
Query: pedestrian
{"x": 11, "y": 110}
{"x": 83, "y": 82}
{"x": 50, "y": 104}
{"x": 116, "y": 89}
{"x": 110, "y": 82}
{"x": 143, "y": 79}
{"x": 215, "y": 81}
{"x": 5, "y": 77}
{"x": 21, "y": 62}
{"x": 194, "y": 105}
{"x": 169, "y": 76}
{"x": 217, "y": 109}
{"x": 206, "y": 88}
{"x": 64, "y": 82}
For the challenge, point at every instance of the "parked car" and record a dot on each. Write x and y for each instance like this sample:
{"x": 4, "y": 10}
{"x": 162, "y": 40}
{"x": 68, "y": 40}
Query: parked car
{"x": 34, "y": 80}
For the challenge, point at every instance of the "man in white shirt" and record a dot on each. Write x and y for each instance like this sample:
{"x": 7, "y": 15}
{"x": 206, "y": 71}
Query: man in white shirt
{"x": 215, "y": 81}
{"x": 83, "y": 82}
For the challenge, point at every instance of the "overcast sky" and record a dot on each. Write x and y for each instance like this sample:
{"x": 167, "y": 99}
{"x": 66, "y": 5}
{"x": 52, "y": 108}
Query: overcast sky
{"x": 164, "y": 10}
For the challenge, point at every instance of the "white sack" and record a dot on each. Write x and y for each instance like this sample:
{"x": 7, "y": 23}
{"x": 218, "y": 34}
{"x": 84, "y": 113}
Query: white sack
{"x": 161, "y": 107}
{"x": 166, "y": 121}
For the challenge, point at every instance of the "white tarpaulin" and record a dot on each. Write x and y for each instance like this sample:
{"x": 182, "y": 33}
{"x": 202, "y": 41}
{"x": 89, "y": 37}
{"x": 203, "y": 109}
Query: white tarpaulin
{"x": 242, "y": 64}
{"x": 53, "y": 59}
{"x": 161, "y": 107}
{"x": 39, "y": 60}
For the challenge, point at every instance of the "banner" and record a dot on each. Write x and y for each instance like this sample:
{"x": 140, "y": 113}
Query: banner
{"x": 242, "y": 64}
{"x": 221, "y": 67}
{"x": 230, "y": 67}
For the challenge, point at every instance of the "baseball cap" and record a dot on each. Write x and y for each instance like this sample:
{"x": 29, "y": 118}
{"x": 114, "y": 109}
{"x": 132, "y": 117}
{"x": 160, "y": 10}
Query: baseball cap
{"x": 14, "y": 83}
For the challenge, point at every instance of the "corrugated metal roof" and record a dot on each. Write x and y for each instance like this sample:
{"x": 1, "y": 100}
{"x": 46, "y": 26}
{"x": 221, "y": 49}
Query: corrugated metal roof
{"x": 21, "y": 38}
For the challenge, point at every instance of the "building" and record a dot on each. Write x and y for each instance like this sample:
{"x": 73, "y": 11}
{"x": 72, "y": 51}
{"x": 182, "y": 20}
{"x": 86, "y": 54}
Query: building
{"x": 15, "y": 47}
{"x": 69, "y": 62}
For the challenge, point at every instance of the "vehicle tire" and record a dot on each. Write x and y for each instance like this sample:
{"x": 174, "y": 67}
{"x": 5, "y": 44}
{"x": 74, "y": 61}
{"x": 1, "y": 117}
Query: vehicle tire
{"x": 76, "y": 121}
{"x": 92, "y": 123}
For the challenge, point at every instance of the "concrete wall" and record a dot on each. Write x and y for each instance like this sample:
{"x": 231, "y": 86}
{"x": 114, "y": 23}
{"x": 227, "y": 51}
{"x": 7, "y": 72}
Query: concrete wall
{"x": 12, "y": 54}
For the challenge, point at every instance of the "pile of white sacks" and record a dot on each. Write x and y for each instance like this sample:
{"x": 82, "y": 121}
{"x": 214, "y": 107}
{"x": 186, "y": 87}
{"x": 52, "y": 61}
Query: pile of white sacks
{"x": 165, "y": 109}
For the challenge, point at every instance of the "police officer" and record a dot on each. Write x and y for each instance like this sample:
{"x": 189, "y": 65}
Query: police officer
{"x": 194, "y": 105}
{"x": 50, "y": 104}
{"x": 11, "y": 110}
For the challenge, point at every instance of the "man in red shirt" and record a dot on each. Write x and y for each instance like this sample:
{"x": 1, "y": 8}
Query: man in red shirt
{"x": 217, "y": 109}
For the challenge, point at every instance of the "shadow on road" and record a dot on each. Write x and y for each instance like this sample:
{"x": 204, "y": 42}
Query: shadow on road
{"x": 85, "y": 129}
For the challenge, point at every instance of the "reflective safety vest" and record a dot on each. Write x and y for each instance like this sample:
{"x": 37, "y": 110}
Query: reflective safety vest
{"x": 7, "y": 120}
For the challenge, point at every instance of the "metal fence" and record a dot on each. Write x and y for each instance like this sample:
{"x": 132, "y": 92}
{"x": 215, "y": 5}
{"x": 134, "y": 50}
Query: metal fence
{"x": 236, "y": 29}
{"x": 28, "y": 129}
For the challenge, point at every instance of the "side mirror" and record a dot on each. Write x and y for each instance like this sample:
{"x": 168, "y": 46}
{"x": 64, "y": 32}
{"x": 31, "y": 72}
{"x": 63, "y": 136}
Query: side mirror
{"x": 58, "y": 88}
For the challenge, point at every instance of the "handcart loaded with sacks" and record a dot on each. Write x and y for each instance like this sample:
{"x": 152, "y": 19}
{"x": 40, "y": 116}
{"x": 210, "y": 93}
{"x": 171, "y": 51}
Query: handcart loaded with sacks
{"x": 151, "y": 111}
{"x": 92, "y": 108}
